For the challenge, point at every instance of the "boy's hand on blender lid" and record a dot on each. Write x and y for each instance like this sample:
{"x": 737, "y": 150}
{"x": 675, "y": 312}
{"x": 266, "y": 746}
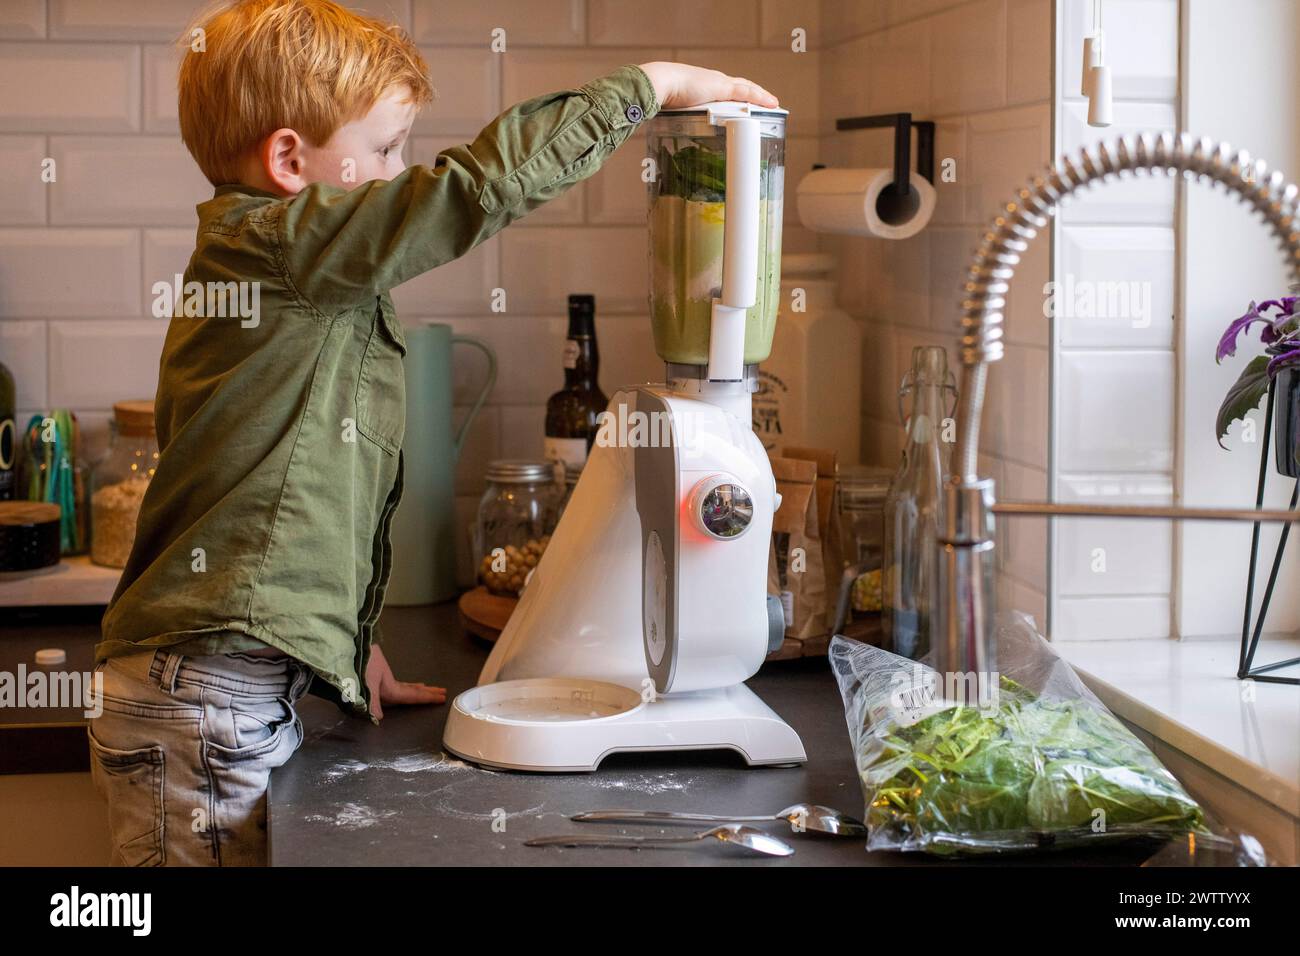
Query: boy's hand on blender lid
{"x": 679, "y": 85}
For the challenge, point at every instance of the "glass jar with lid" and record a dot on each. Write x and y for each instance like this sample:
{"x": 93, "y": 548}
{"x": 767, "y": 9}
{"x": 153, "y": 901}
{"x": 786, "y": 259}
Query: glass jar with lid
{"x": 516, "y": 515}
{"x": 862, "y": 491}
{"x": 118, "y": 482}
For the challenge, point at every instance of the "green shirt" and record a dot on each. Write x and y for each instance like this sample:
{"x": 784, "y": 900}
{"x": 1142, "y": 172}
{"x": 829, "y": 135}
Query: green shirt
{"x": 267, "y": 519}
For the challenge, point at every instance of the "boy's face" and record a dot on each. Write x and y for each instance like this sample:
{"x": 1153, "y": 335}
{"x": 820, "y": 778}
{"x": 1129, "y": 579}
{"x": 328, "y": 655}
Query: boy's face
{"x": 366, "y": 148}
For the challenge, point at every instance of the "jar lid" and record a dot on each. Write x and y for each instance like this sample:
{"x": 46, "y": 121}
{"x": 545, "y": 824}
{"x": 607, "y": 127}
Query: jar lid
{"x": 520, "y": 471}
{"x": 134, "y": 417}
{"x": 863, "y": 484}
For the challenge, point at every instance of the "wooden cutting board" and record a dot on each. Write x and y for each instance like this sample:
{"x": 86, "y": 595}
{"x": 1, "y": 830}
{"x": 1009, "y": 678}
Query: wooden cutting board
{"x": 485, "y": 614}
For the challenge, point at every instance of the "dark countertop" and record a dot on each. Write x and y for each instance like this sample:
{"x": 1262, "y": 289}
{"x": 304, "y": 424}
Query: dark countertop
{"x": 357, "y": 794}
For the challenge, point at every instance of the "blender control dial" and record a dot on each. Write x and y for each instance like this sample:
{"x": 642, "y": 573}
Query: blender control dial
{"x": 721, "y": 507}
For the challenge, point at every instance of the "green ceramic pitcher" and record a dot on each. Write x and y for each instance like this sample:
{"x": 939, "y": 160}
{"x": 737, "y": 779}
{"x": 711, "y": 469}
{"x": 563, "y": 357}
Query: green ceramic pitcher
{"x": 423, "y": 530}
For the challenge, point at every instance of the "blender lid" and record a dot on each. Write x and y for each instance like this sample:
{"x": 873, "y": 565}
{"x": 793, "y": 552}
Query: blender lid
{"x": 727, "y": 108}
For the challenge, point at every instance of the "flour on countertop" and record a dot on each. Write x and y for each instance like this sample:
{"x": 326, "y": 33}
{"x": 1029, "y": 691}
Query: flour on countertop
{"x": 416, "y": 761}
{"x": 651, "y": 783}
{"x": 353, "y": 816}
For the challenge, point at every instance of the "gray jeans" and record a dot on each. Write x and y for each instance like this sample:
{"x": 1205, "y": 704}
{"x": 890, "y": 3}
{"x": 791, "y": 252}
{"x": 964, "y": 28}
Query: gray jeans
{"x": 183, "y": 752}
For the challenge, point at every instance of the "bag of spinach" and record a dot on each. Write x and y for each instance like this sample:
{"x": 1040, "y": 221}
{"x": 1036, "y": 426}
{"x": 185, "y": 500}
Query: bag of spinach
{"x": 1037, "y": 762}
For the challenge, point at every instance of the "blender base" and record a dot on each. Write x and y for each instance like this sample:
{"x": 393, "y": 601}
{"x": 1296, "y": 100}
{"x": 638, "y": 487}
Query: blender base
{"x": 569, "y": 725}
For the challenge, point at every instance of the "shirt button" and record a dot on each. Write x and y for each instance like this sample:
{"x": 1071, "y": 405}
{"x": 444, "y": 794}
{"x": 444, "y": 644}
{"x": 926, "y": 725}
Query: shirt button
{"x": 635, "y": 113}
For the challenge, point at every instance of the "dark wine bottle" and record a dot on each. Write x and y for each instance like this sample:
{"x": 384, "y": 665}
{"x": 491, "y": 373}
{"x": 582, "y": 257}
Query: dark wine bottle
{"x": 8, "y": 437}
{"x": 573, "y": 413}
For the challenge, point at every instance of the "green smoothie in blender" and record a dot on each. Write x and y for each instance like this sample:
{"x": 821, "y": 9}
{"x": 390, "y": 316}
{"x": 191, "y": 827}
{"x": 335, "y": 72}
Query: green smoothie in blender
{"x": 687, "y": 214}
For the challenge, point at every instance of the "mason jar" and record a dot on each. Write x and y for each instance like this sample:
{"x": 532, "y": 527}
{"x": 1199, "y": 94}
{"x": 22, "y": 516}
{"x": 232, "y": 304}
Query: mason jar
{"x": 118, "y": 482}
{"x": 516, "y": 515}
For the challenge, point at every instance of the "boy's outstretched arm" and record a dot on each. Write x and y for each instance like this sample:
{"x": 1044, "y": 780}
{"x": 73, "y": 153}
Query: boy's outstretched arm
{"x": 344, "y": 247}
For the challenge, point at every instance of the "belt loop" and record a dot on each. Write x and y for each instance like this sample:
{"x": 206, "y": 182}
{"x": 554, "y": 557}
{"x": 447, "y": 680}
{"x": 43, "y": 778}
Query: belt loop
{"x": 171, "y": 665}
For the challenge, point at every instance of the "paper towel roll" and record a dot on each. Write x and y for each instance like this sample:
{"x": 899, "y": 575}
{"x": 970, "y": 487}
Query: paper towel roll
{"x": 862, "y": 202}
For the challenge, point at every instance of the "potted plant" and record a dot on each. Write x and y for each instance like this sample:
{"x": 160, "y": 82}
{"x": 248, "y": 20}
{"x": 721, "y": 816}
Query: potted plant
{"x": 1280, "y": 334}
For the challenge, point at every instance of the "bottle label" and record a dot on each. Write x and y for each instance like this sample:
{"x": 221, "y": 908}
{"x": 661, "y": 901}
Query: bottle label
{"x": 767, "y": 405}
{"x": 571, "y": 451}
{"x": 571, "y": 352}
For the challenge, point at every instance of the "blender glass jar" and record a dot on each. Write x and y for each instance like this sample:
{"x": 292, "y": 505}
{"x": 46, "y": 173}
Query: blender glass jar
{"x": 687, "y": 210}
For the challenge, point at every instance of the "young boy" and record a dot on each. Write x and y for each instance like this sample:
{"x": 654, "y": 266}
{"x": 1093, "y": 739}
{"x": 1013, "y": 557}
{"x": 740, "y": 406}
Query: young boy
{"x": 262, "y": 549}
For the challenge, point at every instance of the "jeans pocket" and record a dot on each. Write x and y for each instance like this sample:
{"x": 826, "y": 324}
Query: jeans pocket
{"x": 257, "y": 727}
{"x": 132, "y": 783}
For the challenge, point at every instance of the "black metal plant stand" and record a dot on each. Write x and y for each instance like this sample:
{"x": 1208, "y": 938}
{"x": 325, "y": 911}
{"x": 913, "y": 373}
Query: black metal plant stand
{"x": 1250, "y": 635}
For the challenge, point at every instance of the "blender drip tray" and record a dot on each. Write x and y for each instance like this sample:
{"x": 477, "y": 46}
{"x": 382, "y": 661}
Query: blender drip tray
{"x": 547, "y": 700}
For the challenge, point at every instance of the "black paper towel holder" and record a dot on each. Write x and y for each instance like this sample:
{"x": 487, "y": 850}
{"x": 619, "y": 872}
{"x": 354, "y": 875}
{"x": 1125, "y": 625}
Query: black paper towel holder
{"x": 902, "y": 124}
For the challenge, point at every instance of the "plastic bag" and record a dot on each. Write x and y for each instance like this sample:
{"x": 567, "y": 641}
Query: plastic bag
{"x": 1036, "y": 761}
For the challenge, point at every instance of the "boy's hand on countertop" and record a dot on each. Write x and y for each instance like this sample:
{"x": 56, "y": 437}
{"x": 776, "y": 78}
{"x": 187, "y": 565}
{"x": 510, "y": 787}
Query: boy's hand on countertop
{"x": 678, "y": 85}
{"x": 387, "y": 689}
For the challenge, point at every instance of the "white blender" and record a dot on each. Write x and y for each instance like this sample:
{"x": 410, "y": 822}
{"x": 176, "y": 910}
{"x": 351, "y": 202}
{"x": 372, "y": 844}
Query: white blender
{"x": 649, "y": 608}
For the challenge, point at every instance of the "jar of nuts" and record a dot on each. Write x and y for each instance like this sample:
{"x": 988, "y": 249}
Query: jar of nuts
{"x": 516, "y": 515}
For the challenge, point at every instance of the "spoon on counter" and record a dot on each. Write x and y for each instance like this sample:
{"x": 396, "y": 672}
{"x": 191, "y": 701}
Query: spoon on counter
{"x": 750, "y": 839}
{"x": 803, "y": 817}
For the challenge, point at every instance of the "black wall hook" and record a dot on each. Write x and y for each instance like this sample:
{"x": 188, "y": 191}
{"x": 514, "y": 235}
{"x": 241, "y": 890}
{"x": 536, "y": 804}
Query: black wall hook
{"x": 902, "y": 124}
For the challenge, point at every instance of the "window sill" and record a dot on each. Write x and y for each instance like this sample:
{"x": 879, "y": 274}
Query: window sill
{"x": 1184, "y": 696}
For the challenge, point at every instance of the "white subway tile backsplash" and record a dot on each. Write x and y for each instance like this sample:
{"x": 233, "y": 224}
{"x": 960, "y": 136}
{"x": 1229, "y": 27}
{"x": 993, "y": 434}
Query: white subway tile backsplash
{"x": 22, "y": 201}
{"x": 1103, "y": 556}
{"x": 949, "y": 169}
{"x": 844, "y": 21}
{"x": 845, "y": 90}
{"x": 22, "y": 349}
{"x": 166, "y": 254}
{"x": 951, "y": 250}
{"x": 467, "y": 91}
{"x": 1110, "y": 618}
{"x": 1016, "y": 406}
{"x": 1115, "y": 411}
{"x": 69, "y": 87}
{"x": 779, "y": 19}
{"x": 1141, "y": 46}
{"x": 1133, "y": 200}
{"x": 968, "y": 55}
{"x": 1116, "y": 287}
{"x": 1024, "y": 540}
{"x": 22, "y": 19}
{"x": 125, "y": 180}
{"x": 529, "y": 73}
{"x": 898, "y": 70}
{"x": 475, "y": 22}
{"x": 121, "y": 19}
{"x": 1004, "y": 150}
{"x": 540, "y": 267}
{"x": 529, "y": 351}
{"x": 97, "y": 362}
{"x": 462, "y": 286}
{"x": 681, "y": 23}
{"x": 1029, "y": 51}
{"x": 523, "y": 431}
{"x": 1016, "y": 595}
{"x": 627, "y": 351}
{"x": 1102, "y": 488}
{"x": 69, "y": 272}
{"x": 161, "y": 64}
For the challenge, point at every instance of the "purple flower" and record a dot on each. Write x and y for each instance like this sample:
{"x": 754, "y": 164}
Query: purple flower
{"x": 1228, "y": 344}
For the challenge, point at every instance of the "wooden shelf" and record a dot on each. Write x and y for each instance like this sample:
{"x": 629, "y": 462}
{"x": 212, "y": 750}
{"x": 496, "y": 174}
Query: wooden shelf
{"x": 73, "y": 580}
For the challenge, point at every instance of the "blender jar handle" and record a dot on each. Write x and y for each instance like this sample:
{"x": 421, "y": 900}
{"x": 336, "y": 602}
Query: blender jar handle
{"x": 739, "y": 249}
{"x": 487, "y": 386}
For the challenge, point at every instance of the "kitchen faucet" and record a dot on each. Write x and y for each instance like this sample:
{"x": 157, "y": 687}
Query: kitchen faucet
{"x": 963, "y": 641}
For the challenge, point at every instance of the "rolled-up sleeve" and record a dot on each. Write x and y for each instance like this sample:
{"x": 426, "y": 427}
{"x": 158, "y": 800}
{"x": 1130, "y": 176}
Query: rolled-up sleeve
{"x": 341, "y": 247}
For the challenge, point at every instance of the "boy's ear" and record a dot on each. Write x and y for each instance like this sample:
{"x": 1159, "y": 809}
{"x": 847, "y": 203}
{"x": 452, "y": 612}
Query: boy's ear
{"x": 283, "y": 161}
